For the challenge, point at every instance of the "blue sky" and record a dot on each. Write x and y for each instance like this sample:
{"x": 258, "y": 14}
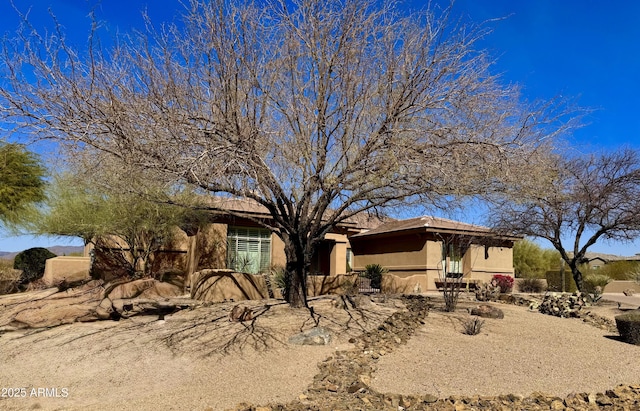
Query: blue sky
{"x": 583, "y": 49}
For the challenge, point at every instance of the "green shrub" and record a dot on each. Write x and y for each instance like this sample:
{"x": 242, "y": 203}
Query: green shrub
{"x": 32, "y": 263}
{"x": 374, "y": 273}
{"x": 531, "y": 285}
{"x": 620, "y": 270}
{"x": 554, "y": 281}
{"x": 629, "y": 327}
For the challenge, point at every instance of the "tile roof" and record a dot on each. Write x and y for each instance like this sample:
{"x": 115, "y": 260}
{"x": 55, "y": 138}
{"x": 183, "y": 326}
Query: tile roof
{"x": 429, "y": 224}
{"x": 251, "y": 207}
{"x": 610, "y": 257}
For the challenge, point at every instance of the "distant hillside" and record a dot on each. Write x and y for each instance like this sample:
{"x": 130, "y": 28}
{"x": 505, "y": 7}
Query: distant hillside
{"x": 56, "y": 249}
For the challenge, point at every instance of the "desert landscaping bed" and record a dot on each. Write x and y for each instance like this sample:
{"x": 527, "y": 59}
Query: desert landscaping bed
{"x": 385, "y": 353}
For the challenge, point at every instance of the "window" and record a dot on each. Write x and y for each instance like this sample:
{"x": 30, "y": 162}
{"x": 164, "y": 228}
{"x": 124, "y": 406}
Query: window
{"x": 248, "y": 249}
{"x": 451, "y": 258}
{"x": 349, "y": 260}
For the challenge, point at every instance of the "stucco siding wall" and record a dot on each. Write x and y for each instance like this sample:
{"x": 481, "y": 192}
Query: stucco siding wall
{"x": 278, "y": 258}
{"x": 499, "y": 261}
{"x": 434, "y": 257}
{"x": 404, "y": 255}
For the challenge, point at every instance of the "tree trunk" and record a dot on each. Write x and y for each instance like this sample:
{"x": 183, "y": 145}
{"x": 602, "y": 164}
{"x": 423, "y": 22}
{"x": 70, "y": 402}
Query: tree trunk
{"x": 577, "y": 277}
{"x": 297, "y": 268}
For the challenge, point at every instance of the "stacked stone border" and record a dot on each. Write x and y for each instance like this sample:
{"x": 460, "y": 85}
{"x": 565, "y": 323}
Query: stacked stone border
{"x": 343, "y": 380}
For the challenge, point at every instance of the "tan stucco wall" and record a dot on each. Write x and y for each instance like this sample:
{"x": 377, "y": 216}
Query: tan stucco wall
{"x": 402, "y": 255}
{"x": 210, "y": 247}
{"x": 434, "y": 257}
{"x": 334, "y": 284}
{"x": 415, "y": 262}
{"x": 70, "y": 269}
{"x": 621, "y": 286}
{"x": 393, "y": 284}
{"x": 338, "y": 257}
{"x": 500, "y": 259}
{"x": 225, "y": 285}
{"x": 278, "y": 258}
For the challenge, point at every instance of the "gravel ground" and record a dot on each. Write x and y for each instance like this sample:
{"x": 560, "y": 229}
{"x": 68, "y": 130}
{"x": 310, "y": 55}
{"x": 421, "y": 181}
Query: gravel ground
{"x": 523, "y": 353}
{"x": 193, "y": 360}
{"x": 197, "y": 360}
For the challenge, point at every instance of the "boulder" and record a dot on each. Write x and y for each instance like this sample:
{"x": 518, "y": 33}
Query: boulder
{"x": 87, "y": 302}
{"x": 314, "y": 336}
{"x": 144, "y": 288}
{"x": 68, "y": 269}
{"x": 487, "y": 311}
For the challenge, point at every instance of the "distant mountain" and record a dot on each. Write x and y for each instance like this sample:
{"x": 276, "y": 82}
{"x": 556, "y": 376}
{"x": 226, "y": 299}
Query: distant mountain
{"x": 58, "y": 250}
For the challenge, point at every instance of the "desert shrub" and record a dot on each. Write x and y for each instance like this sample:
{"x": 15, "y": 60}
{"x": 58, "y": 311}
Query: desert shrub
{"x": 32, "y": 263}
{"x": 488, "y": 292}
{"x": 531, "y": 285}
{"x": 619, "y": 270}
{"x": 554, "y": 281}
{"x": 374, "y": 272}
{"x": 532, "y": 261}
{"x": 472, "y": 326}
{"x": 9, "y": 277}
{"x": 594, "y": 284}
{"x": 349, "y": 287}
{"x": 279, "y": 276}
{"x": 505, "y": 282}
{"x": 629, "y": 327}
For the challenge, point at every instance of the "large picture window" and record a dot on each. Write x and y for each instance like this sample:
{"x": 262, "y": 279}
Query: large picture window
{"x": 248, "y": 249}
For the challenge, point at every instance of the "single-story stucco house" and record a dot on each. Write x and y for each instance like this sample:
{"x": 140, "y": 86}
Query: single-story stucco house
{"x": 419, "y": 251}
{"x": 415, "y": 251}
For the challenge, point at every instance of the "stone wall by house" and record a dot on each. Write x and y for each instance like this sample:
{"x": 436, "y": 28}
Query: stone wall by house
{"x": 69, "y": 269}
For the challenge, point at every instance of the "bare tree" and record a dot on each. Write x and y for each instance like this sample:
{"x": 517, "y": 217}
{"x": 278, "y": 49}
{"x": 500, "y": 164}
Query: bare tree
{"x": 316, "y": 109}
{"x": 591, "y": 198}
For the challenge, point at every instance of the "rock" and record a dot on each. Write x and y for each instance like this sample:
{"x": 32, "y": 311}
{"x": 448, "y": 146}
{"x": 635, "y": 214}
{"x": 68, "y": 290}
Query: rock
{"x": 603, "y": 400}
{"x": 332, "y": 388}
{"x": 429, "y": 398}
{"x": 314, "y": 336}
{"x": 507, "y": 298}
{"x": 243, "y": 406}
{"x": 487, "y": 311}
{"x": 352, "y": 389}
{"x": 144, "y": 288}
{"x": 557, "y": 405}
{"x": 563, "y": 304}
{"x": 240, "y": 314}
{"x": 629, "y": 292}
{"x": 365, "y": 379}
{"x": 84, "y": 303}
{"x": 104, "y": 310}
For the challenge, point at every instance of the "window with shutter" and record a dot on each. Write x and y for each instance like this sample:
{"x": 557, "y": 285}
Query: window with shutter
{"x": 451, "y": 258}
{"x": 248, "y": 249}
